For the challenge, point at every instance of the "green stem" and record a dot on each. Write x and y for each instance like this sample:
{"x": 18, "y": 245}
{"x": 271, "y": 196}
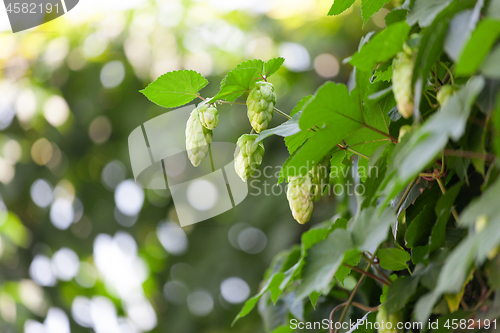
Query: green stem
{"x": 282, "y": 113}
{"x": 357, "y": 153}
{"x": 370, "y": 275}
{"x": 349, "y": 301}
{"x": 403, "y": 198}
{"x": 409, "y": 270}
{"x": 449, "y": 72}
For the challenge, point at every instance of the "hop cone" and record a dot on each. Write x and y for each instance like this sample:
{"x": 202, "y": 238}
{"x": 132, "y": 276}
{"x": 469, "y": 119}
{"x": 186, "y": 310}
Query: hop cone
{"x": 320, "y": 176}
{"x": 401, "y": 83}
{"x": 444, "y": 94}
{"x": 249, "y": 156}
{"x": 260, "y": 105}
{"x": 394, "y": 319}
{"x": 209, "y": 116}
{"x": 300, "y": 198}
{"x": 197, "y": 139}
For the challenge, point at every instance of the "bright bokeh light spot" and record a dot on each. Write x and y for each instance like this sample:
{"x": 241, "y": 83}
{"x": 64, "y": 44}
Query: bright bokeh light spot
{"x": 41, "y": 193}
{"x": 112, "y": 174}
{"x": 12, "y": 151}
{"x": 26, "y": 105}
{"x": 234, "y": 290}
{"x": 142, "y": 315}
{"x": 202, "y": 194}
{"x": 100, "y": 129}
{"x": 8, "y": 309}
{"x": 94, "y": 45}
{"x": 171, "y": 13}
{"x": 33, "y": 326}
{"x": 252, "y": 240}
{"x": 65, "y": 264}
{"x": 129, "y": 197}
{"x": 57, "y": 321}
{"x": 296, "y": 56}
{"x": 56, "y": 110}
{"x": 121, "y": 269}
{"x": 62, "y": 213}
{"x": 41, "y": 271}
{"x": 175, "y": 292}
{"x": 326, "y": 65}
{"x": 103, "y": 315}
{"x": 80, "y": 310}
{"x": 41, "y": 151}
{"x": 112, "y": 74}
{"x": 7, "y": 171}
{"x": 56, "y": 51}
{"x": 32, "y": 297}
{"x": 200, "y": 303}
{"x": 172, "y": 237}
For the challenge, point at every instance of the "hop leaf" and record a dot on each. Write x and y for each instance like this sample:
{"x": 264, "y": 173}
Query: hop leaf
{"x": 402, "y": 83}
{"x": 198, "y": 138}
{"x": 260, "y": 105}
{"x": 248, "y": 155}
{"x": 209, "y": 116}
{"x": 300, "y": 198}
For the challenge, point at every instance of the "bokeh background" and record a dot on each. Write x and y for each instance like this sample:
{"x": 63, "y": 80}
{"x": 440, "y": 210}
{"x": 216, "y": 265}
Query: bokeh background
{"x": 82, "y": 247}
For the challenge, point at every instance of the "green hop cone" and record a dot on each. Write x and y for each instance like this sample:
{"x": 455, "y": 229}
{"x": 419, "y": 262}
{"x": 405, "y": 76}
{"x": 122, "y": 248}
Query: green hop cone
{"x": 445, "y": 93}
{"x": 260, "y": 105}
{"x": 209, "y": 116}
{"x": 402, "y": 83}
{"x": 198, "y": 138}
{"x": 393, "y": 319}
{"x": 300, "y": 198}
{"x": 248, "y": 156}
{"x": 320, "y": 176}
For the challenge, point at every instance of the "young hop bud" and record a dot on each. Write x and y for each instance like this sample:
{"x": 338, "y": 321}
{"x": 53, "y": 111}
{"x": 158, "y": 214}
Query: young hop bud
{"x": 445, "y": 93}
{"x": 260, "y": 105}
{"x": 248, "y": 156}
{"x": 300, "y": 198}
{"x": 393, "y": 319}
{"x": 402, "y": 83}
{"x": 209, "y": 116}
{"x": 198, "y": 138}
{"x": 320, "y": 176}
{"x": 403, "y": 130}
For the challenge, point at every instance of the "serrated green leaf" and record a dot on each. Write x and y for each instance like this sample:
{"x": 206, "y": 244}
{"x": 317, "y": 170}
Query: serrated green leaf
{"x": 371, "y": 228}
{"x": 381, "y": 47}
{"x": 272, "y": 65}
{"x": 420, "y": 229}
{"x": 236, "y": 83}
{"x": 425, "y": 11}
{"x": 393, "y": 259}
{"x": 175, "y": 88}
{"x": 370, "y": 7}
{"x": 313, "y": 297}
{"x": 339, "y": 6}
{"x": 400, "y": 292}
{"x": 352, "y": 258}
{"x": 323, "y": 261}
{"x": 443, "y": 211}
{"x": 385, "y": 75}
{"x": 334, "y": 115}
{"x": 395, "y": 15}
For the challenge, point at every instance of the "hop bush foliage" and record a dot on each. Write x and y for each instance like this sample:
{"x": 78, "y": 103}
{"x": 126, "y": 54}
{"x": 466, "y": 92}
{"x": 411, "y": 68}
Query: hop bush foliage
{"x": 412, "y": 231}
